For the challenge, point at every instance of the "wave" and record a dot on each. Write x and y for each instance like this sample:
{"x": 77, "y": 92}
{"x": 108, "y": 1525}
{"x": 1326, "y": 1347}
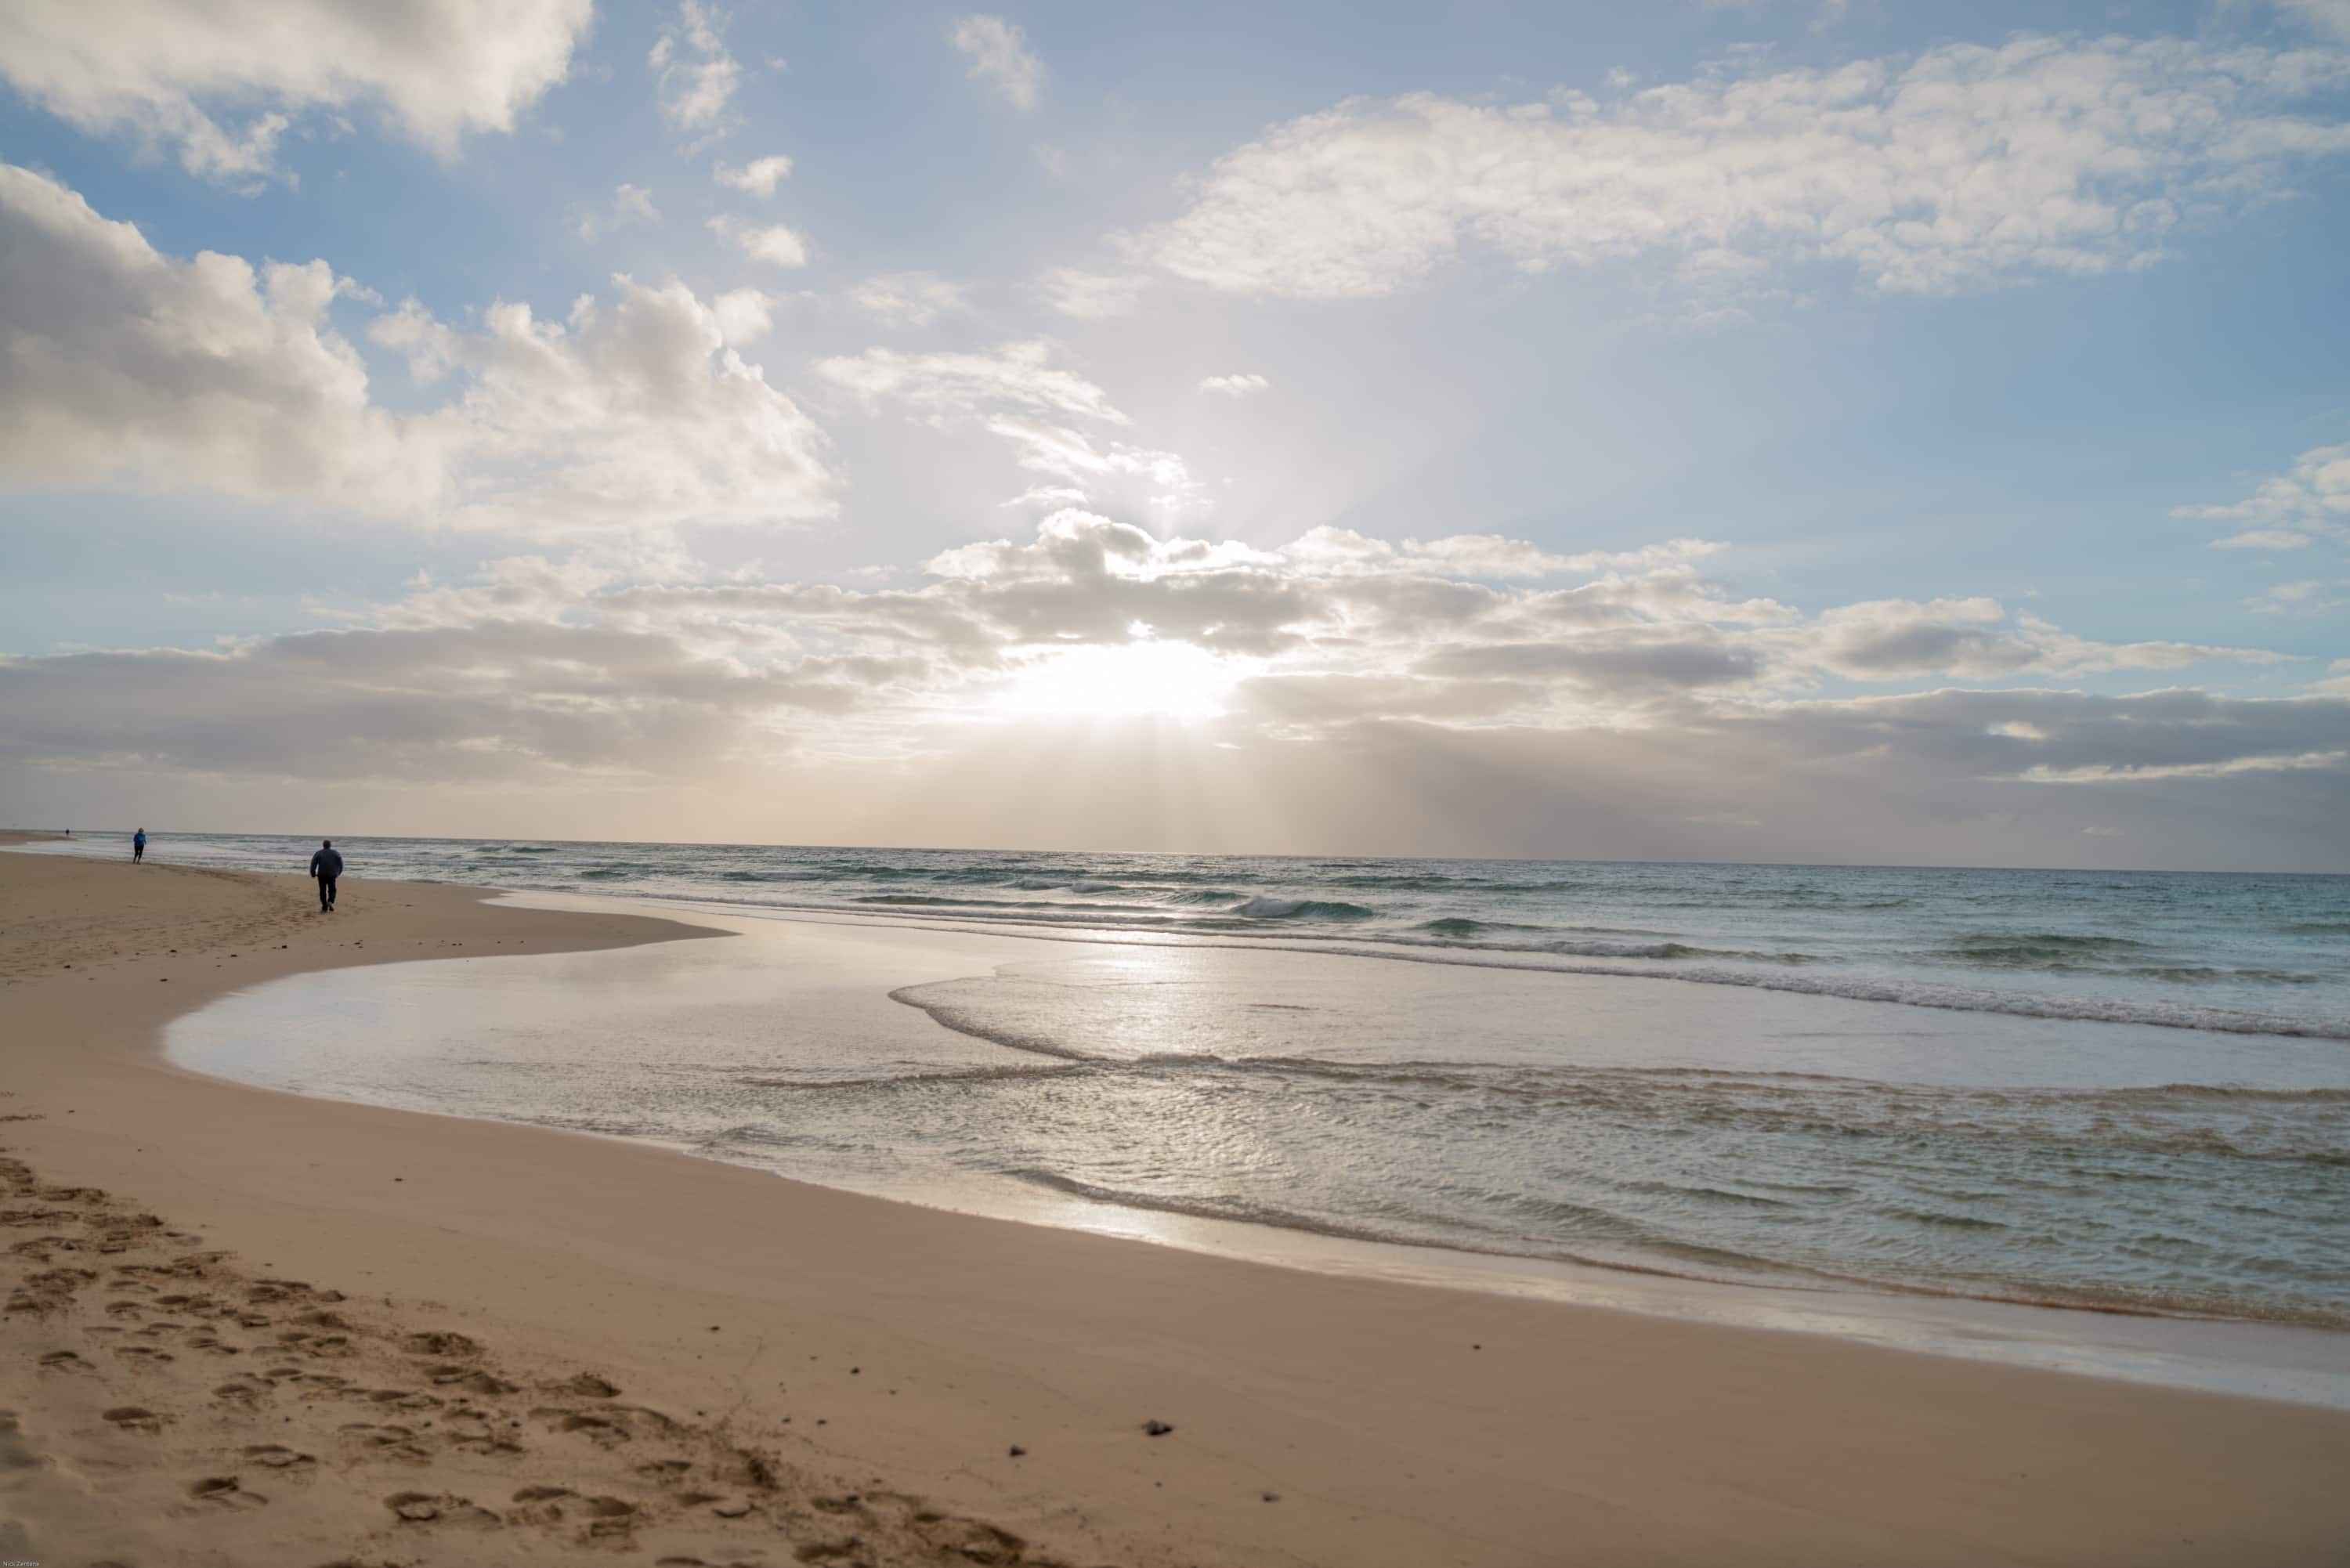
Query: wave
{"x": 1657, "y": 1256}
{"x": 1246, "y": 1211}
{"x": 1461, "y": 927}
{"x": 1268, "y": 908}
{"x": 1162, "y": 929}
{"x": 2045, "y": 950}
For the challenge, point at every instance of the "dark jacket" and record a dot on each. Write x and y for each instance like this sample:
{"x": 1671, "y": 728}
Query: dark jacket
{"x": 327, "y": 864}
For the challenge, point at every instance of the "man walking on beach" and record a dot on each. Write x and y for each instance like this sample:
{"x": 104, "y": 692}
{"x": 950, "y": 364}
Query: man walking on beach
{"x": 139, "y": 846}
{"x": 326, "y": 866}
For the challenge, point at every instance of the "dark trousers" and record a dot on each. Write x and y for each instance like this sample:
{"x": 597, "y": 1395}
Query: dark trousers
{"x": 325, "y": 892}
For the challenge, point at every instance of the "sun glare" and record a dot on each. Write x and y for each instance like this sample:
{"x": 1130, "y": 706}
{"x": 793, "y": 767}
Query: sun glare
{"x": 1145, "y": 678}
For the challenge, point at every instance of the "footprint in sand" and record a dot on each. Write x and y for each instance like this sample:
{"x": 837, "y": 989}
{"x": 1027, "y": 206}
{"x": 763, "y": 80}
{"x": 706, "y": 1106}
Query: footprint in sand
{"x": 609, "y": 1517}
{"x": 431, "y": 1508}
{"x": 472, "y": 1380}
{"x": 277, "y": 1456}
{"x": 225, "y": 1492}
{"x": 387, "y": 1442}
{"x": 65, "y": 1361}
{"x": 398, "y": 1399}
{"x": 135, "y": 1418}
{"x": 244, "y": 1390}
{"x": 586, "y": 1386}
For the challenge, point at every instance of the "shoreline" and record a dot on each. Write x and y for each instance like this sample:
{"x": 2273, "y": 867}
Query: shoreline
{"x": 1993, "y": 993}
{"x": 2274, "y": 1356}
{"x": 1357, "y": 1403}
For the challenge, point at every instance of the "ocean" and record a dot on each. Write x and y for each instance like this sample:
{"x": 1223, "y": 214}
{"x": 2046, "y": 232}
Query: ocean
{"x": 2127, "y": 1091}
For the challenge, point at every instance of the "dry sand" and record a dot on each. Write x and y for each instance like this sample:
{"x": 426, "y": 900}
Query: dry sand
{"x": 247, "y": 1328}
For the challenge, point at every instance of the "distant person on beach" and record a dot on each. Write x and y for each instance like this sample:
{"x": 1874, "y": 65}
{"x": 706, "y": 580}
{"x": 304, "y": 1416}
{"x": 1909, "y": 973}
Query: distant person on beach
{"x": 139, "y": 846}
{"x": 326, "y": 866}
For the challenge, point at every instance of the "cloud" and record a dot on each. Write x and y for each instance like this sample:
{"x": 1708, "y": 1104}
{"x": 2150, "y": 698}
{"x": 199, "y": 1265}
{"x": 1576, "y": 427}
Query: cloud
{"x": 2331, "y": 18}
{"x": 632, "y": 415}
{"x": 1466, "y": 627}
{"x": 1051, "y": 417}
{"x": 2307, "y": 596}
{"x": 1239, "y": 386}
{"x": 1090, "y": 296}
{"x": 220, "y": 84}
{"x": 1610, "y": 705}
{"x": 909, "y": 298}
{"x": 2262, "y": 539}
{"x": 759, "y": 177}
{"x": 772, "y": 242}
{"x": 1964, "y": 166}
{"x": 1000, "y": 56}
{"x": 629, "y": 205}
{"x": 120, "y": 366}
{"x": 498, "y": 699}
{"x": 744, "y": 315}
{"x": 697, "y": 76}
{"x": 2311, "y": 498}
{"x": 1015, "y": 375}
{"x": 1889, "y": 640}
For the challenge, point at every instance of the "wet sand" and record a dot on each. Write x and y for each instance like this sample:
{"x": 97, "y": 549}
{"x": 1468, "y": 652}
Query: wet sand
{"x": 247, "y": 1328}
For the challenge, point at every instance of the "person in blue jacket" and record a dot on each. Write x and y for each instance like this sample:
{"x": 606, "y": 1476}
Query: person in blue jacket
{"x": 139, "y": 846}
{"x": 326, "y": 866}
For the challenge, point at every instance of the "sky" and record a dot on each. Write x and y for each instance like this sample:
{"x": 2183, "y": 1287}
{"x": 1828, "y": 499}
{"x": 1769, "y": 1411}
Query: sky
{"x": 1787, "y": 431}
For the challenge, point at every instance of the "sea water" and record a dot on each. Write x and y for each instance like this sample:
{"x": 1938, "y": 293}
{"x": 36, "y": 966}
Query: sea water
{"x": 2126, "y": 1091}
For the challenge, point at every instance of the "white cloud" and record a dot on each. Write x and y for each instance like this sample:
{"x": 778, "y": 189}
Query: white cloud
{"x": 1891, "y": 640}
{"x": 629, "y": 205}
{"x": 1019, "y": 375}
{"x": 635, "y": 414}
{"x": 2331, "y": 18}
{"x": 1239, "y": 386}
{"x": 1088, "y": 296}
{"x": 2312, "y": 496}
{"x": 123, "y": 366}
{"x": 909, "y": 298}
{"x": 1041, "y": 409}
{"x": 1000, "y": 56}
{"x": 1613, "y": 694}
{"x": 697, "y": 77}
{"x": 2283, "y": 597}
{"x": 744, "y": 315}
{"x": 1964, "y": 167}
{"x": 759, "y": 177}
{"x": 770, "y": 243}
{"x": 119, "y": 364}
{"x": 221, "y": 83}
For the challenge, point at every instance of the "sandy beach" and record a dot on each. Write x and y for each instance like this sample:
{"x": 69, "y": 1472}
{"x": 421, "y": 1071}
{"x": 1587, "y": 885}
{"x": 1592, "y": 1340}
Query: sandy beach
{"x": 244, "y": 1327}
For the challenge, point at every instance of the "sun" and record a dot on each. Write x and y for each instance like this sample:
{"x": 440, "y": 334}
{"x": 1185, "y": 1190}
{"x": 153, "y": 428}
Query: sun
{"x": 1149, "y": 677}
